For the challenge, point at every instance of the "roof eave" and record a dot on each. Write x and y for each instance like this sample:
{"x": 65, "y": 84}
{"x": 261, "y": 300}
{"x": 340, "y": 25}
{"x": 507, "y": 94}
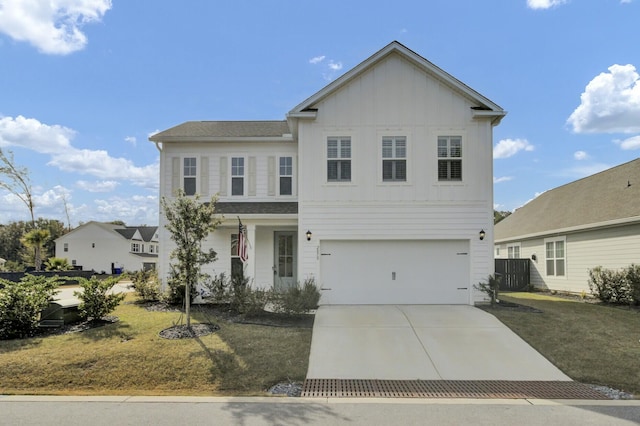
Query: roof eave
{"x": 496, "y": 116}
{"x": 187, "y": 139}
{"x": 572, "y": 229}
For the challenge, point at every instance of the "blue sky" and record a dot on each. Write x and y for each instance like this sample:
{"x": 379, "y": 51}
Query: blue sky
{"x": 83, "y": 83}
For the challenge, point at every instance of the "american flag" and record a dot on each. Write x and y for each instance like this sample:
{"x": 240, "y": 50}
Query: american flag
{"x": 243, "y": 251}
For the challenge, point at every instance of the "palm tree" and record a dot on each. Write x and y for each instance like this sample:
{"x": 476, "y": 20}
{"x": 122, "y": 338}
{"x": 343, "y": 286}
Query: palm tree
{"x": 36, "y": 239}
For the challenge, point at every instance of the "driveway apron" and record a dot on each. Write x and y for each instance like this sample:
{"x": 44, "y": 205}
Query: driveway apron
{"x": 420, "y": 342}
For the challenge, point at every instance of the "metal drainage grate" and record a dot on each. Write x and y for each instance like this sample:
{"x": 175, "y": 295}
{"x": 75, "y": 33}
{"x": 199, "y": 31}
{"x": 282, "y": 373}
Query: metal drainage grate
{"x": 353, "y": 388}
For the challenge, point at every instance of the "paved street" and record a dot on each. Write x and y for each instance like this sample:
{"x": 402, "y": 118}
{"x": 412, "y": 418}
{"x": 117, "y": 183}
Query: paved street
{"x": 98, "y": 411}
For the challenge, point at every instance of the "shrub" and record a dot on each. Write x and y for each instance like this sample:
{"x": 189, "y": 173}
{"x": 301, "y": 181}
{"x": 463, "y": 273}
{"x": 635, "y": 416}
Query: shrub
{"x": 297, "y": 299}
{"x": 217, "y": 289}
{"x": 57, "y": 264}
{"x": 611, "y": 286}
{"x": 633, "y": 275}
{"x": 490, "y": 287}
{"x": 21, "y": 304}
{"x": 147, "y": 285}
{"x": 95, "y": 302}
{"x": 238, "y": 293}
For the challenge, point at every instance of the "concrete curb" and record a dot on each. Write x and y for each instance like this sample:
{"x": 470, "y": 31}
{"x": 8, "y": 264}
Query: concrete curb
{"x": 285, "y": 400}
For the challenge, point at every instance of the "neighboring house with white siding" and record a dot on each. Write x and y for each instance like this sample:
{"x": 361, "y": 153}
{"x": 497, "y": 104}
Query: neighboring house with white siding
{"x": 568, "y": 230}
{"x": 105, "y": 247}
{"x": 378, "y": 186}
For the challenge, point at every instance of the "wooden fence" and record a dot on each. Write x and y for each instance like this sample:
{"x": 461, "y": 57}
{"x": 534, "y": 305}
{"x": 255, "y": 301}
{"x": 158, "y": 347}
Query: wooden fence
{"x": 514, "y": 274}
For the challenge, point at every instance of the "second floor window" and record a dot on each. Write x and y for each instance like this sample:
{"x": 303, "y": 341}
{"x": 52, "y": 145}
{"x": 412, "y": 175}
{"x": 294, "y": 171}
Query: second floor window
{"x": 449, "y": 158}
{"x": 237, "y": 176}
{"x": 189, "y": 176}
{"x": 339, "y": 159}
{"x": 394, "y": 159}
{"x": 286, "y": 175}
{"x": 135, "y": 247}
{"x": 66, "y": 246}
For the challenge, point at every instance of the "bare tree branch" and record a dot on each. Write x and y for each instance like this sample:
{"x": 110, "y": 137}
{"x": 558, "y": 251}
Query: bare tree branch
{"x": 15, "y": 179}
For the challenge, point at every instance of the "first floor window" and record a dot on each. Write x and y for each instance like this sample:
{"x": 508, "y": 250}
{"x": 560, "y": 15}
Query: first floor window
{"x": 237, "y": 176}
{"x": 394, "y": 159}
{"x": 66, "y": 246}
{"x": 286, "y": 175}
{"x": 189, "y": 176}
{"x": 555, "y": 255}
{"x": 236, "y": 263}
{"x": 339, "y": 159}
{"x": 449, "y": 158}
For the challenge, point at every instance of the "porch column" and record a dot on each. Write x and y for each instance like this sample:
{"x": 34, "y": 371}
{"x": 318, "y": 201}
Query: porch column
{"x": 251, "y": 261}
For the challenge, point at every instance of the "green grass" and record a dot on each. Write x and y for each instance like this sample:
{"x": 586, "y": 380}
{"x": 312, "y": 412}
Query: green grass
{"x": 591, "y": 343}
{"x": 129, "y": 358}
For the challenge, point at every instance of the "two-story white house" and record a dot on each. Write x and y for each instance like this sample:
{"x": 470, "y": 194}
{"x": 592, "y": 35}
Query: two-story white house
{"x": 109, "y": 248}
{"x": 379, "y": 186}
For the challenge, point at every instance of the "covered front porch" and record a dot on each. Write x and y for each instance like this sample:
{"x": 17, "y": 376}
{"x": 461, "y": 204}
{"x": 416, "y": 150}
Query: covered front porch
{"x": 271, "y": 244}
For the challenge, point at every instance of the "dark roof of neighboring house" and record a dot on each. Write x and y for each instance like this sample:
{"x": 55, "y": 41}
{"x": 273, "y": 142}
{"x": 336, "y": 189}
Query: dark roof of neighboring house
{"x": 146, "y": 232}
{"x": 145, "y": 254}
{"x": 610, "y": 195}
{"x": 223, "y": 129}
{"x": 257, "y": 208}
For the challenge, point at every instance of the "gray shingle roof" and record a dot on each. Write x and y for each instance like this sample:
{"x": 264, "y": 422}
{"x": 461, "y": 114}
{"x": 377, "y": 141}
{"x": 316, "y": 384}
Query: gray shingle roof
{"x": 602, "y": 197}
{"x": 257, "y": 208}
{"x": 223, "y": 129}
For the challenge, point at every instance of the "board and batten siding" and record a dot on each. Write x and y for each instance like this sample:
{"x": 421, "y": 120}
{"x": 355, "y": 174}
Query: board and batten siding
{"x": 611, "y": 248}
{"x": 387, "y": 221}
{"x": 396, "y": 98}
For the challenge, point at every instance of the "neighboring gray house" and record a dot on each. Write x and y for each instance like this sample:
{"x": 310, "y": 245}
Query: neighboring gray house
{"x": 568, "y": 230}
{"x": 105, "y": 247}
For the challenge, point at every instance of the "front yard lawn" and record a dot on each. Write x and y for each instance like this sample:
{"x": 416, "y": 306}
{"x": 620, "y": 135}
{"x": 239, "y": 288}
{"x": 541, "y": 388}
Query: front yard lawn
{"x": 130, "y": 358}
{"x": 591, "y": 343}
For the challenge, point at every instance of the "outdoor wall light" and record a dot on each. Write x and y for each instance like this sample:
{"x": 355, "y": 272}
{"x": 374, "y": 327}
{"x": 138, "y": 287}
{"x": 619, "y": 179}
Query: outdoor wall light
{"x": 309, "y": 234}
{"x": 534, "y": 257}
{"x": 482, "y": 234}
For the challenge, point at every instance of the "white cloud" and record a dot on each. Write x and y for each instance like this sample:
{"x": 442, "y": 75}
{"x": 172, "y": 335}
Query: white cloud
{"x": 52, "y": 26}
{"x": 131, "y": 139}
{"x": 56, "y": 141}
{"x": 580, "y": 155}
{"x": 316, "y": 59}
{"x": 610, "y": 103}
{"x": 31, "y": 134}
{"x": 136, "y": 210}
{"x": 335, "y": 66}
{"x": 98, "y": 186}
{"x": 544, "y": 4}
{"x": 509, "y": 147}
{"x": 630, "y": 143}
{"x": 99, "y": 164}
{"x": 502, "y": 179}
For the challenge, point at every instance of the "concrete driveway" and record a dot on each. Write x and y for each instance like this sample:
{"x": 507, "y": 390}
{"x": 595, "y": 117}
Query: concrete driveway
{"x": 420, "y": 342}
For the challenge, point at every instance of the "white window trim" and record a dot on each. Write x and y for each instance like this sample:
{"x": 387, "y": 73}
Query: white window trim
{"x": 566, "y": 269}
{"x": 432, "y": 162}
{"x": 293, "y": 176}
{"x": 325, "y": 156}
{"x": 245, "y": 176}
{"x": 513, "y": 246}
{"x": 395, "y": 133}
{"x": 182, "y": 175}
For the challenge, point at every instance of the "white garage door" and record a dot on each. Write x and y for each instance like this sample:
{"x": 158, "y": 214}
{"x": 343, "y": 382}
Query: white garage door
{"x": 395, "y": 272}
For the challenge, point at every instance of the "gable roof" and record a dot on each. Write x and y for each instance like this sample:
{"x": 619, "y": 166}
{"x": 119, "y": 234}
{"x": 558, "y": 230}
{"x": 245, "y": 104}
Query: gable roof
{"x": 484, "y": 106}
{"x": 127, "y": 232}
{"x": 606, "y": 198}
{"x": 224, "y": 131}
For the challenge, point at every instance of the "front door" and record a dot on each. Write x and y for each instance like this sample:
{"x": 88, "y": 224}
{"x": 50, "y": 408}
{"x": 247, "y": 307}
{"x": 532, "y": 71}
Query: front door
{"x": 284, "y": 263}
